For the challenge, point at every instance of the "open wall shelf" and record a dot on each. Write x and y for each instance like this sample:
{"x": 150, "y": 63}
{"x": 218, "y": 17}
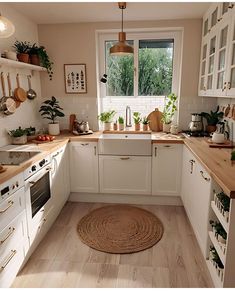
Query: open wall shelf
{"x": 21, "y": 65}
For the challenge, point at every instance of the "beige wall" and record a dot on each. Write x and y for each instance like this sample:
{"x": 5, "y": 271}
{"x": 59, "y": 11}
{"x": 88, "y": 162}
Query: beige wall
{"x": 27, "y": 114}
{"x": 75, "y": 43}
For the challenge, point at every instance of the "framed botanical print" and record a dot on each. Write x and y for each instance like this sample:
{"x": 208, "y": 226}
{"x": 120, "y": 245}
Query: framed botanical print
{"x": 75, "y": 78}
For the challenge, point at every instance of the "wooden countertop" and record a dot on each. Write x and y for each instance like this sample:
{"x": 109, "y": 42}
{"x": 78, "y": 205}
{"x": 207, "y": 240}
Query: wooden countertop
{"x": 216, "y": 161}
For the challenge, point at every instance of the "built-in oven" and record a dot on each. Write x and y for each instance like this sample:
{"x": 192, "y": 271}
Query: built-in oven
{"x": 38, "y": 193}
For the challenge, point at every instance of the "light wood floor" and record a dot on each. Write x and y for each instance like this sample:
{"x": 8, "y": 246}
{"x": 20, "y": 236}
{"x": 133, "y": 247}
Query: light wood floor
{"x": 61, "y": 260}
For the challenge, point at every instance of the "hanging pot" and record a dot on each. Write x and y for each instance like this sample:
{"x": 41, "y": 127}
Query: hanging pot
{"x": 10, "y": 91}
{"x": 31, "y": 94}
{"x": 7, "y": 104}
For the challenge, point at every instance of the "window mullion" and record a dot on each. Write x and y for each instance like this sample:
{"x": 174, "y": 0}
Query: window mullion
{"x": 136, "y": 67}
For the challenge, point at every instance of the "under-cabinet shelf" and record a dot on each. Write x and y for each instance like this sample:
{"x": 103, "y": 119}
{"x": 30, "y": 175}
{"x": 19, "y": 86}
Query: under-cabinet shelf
{"x": 220, "y": 216}
{"x": 217, "y": 247}
{"x": 17, "y": 64}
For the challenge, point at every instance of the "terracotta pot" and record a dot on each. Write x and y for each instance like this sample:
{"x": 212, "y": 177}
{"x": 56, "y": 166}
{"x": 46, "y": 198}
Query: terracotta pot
{"x": 23, "y": 58}
{"x": 210, "y": 128}
{"x": 145, "y": 127}
{"x": 137, "y": 126}
{"x": 34, "y": 60}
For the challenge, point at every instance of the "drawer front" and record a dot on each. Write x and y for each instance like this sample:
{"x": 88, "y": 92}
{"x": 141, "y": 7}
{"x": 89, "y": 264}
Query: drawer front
{"x": 10, "y": 265}
{"x": 11, "y": 207}
{"x": 13, "y": 233}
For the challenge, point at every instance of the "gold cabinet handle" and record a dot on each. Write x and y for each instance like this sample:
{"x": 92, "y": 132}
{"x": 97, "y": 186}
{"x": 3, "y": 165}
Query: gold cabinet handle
{"x": 13, "y": 253}
{"x": 11, "y": 230}
{"x": 204, "y": 88}
{"x": 84, "y": 144}
{"x": 225, "y": 86}
{"x": 231, "y": 6}
{"x": 10, "y": 203}
{"x": 229, "y": 85}
{"x": 203, "y": 176}
{"x": 125, "y": 159}
{"x": 192, "y": 162}
{"x": 95, "y": 150}
{"x": 40, "y": 226}
{"x": 167, "y": 146}
{"x": 155, "y": 151}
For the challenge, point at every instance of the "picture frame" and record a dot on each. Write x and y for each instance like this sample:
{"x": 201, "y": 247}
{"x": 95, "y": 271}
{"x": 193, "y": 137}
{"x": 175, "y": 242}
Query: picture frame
{"x": 75, "y": 78}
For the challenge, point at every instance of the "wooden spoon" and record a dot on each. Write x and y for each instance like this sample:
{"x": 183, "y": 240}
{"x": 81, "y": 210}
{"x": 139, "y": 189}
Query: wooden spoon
{"x": 19, "y": 93}
{"x": 10, "y": 91}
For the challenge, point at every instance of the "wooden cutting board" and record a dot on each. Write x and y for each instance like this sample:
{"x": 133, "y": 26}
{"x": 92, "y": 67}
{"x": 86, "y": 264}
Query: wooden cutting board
{"x": 155, "y": 123}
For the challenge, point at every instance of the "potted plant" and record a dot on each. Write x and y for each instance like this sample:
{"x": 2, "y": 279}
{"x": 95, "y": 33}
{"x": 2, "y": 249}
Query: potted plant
{"x": 223, "y": 204}
{"x": 145, "y": 122}
{"x": 219, "y": 231}
{"x": 50, "y": 109}
{"x": 137, "y": 120}
{"x": 212, "y": 119}
{"x": 107, "y": 118}
{"x": 168, "y": 112}
{"x": 39, "y": 56}
{"x": 22, "y": 49}
{"x": 214, "y": 257}
{"x": 19, "y": 136}
{"x": 233, "y": 157}
{"x": 121, "y": 123}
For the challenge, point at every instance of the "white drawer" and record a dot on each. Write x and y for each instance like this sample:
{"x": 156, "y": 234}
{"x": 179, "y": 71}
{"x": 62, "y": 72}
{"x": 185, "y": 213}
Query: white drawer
{"x": 11, "y": 186}
{"x": 13, "y": 233}
{"x": 10, "y": 265}
{"x": 11, "y": 207}
{"x": 38, "y": 225}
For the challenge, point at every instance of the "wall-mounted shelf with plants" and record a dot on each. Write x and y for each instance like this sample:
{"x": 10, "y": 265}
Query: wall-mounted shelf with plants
{"x": 21, "y": 65}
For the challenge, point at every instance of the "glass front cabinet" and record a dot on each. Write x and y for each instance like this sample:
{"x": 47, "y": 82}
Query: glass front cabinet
{"x": 217, "y": 62}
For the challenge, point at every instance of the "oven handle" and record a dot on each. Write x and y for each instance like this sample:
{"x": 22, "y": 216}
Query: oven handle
{"x": 48, "y": 169}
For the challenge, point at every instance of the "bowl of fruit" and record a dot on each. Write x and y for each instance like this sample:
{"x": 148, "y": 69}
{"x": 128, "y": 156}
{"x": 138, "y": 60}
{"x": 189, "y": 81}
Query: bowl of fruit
{"x": 44, "y": 138}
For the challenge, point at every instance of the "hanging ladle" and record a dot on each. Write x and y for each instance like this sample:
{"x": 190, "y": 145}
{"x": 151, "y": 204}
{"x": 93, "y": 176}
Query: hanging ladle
{"x": 31, "y": 94}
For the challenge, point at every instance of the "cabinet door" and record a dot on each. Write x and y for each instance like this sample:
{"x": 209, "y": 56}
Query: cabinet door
{"x": 221, "y": 66}
{"x": 125, "y": 175}
{"x": 231, "y": 60}
{"x": 201, "y": 205}
{"x": 166, "y": 169}
{"x": 84, "y": 167}
{"x": 211, "y": 57}
{"x": 203, "y": 68}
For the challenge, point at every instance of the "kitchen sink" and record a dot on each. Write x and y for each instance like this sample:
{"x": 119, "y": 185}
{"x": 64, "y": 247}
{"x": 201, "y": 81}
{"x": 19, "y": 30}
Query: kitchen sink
{"x": 125, "y": 144}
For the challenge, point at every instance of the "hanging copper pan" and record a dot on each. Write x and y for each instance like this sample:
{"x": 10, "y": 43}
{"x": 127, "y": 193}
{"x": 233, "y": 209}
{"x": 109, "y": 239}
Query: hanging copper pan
{"x": 19, "y": 92}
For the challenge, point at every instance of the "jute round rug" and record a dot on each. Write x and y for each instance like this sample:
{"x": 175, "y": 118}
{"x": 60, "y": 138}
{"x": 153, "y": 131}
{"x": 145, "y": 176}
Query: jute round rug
{"x": 120, "y": 229}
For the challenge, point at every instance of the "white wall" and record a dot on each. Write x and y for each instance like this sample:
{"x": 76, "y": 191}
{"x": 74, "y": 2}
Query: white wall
{"x": 27, "y": 114}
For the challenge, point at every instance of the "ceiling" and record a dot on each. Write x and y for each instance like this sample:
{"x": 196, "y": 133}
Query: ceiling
{"x": 72, "y": 12}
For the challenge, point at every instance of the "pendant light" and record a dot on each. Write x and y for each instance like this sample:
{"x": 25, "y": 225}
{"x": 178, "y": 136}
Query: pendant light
{"x": 121, "y": 47}
{"x": 7, "y": 28}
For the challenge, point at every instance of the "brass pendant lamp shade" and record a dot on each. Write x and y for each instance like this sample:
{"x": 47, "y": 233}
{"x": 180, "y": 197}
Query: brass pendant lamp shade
{"x": 121, "y": 47}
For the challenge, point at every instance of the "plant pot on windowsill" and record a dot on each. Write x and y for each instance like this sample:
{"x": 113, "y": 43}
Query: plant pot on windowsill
{"x": 137, "y": 126}
{"x": 54, "y": 128}
{"x": 121, "y": 126}
{"x": 166, "y": 127}
{"x": 107, "y": 125}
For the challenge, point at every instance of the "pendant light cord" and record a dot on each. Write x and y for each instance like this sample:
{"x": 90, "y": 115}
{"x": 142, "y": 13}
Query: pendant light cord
{"x": 122, "y": 19}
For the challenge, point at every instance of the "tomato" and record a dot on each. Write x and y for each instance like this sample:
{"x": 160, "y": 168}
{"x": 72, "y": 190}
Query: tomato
{"x": 52, "y": 137}
{"x": 48, "y": 138}
{"x": 39, "y": 137}
{"x": 43, "y": 138}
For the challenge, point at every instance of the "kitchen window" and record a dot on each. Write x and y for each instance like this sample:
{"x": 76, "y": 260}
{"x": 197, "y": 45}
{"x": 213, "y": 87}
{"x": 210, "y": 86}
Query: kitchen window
{"x": 143, "y": 79}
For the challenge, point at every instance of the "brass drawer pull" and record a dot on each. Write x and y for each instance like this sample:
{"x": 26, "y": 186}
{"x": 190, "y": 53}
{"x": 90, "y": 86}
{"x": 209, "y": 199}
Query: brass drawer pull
{"x": 95, "y": 150}
{"x": 11, "y": 230}
{"x": 167, "y": 146}
{"x": 13, "y": 253}
{"x": 10, "y": 203}
{"x": 205, "y": 178}
{"x": 125, "y": 159}
{"x": 84, "y": 144}
{"x": 155, "y": 151}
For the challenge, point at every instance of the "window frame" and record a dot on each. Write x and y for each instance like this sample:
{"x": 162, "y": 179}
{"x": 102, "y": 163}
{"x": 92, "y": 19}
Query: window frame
{"x": 139, "y": 34}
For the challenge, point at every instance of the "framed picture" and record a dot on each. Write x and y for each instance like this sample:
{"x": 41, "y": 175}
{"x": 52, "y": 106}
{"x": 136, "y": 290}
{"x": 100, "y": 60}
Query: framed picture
{"x": 75, "y": 78}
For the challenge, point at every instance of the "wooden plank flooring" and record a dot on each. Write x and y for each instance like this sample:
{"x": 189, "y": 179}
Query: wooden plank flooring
{"x": 62, "y": 260}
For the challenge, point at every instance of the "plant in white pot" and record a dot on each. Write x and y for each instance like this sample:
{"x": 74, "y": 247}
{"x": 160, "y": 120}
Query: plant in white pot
{"x": 168, "y": 112}
{"x": 107, "y": 119}
{"x": 19, "y": 136}
{"x": 50, "y": 109}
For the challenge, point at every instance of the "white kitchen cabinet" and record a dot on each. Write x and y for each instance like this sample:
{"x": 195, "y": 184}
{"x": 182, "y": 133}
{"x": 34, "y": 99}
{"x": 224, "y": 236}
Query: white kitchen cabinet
{"x": 60, "y": 176}
{"x": 125, "y": 174}
{"x": 166, "y": 169}
{"x": 195, "y": 193}
{"x": 217, "y": 62}
{"x": 84, "y": 167}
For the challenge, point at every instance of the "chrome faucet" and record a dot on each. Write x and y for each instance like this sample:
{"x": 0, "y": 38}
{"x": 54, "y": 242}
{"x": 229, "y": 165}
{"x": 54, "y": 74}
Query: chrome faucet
{"x": 128, "y": 116}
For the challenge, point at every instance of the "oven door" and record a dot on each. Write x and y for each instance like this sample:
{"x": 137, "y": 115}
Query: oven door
{"x": 38, "y": 197}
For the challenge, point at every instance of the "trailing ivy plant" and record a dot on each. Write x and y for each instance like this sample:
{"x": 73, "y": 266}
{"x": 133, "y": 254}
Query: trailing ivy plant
{"x": 50, "y": 109}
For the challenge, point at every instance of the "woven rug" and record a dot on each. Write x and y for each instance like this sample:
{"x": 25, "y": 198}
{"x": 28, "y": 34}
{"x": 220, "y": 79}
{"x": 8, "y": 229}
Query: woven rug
{"x": 120, "y": 229}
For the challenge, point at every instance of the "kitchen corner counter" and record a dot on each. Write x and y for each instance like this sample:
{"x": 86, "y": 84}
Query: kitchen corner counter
{"x": 160, "y": 137}
{"x": 216, "y": 161}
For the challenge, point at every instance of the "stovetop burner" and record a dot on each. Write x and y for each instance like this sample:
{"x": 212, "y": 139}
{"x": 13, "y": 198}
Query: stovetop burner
{"x": 197, "y": 133}
{"x": 15, "y": 157}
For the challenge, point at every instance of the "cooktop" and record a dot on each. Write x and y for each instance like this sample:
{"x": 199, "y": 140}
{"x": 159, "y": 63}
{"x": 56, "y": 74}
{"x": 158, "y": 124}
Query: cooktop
{"x": 16, "y": 157}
